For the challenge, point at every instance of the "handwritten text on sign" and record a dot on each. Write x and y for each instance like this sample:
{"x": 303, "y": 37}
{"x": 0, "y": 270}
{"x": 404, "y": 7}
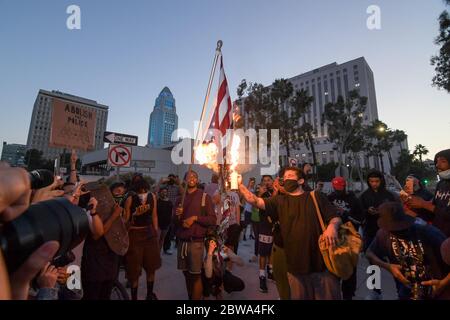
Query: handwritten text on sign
{"x": 73, "y": 125}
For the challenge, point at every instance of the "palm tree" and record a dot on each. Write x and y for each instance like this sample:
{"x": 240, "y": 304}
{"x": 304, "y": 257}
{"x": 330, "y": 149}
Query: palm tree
{"x": 419, "y": 151}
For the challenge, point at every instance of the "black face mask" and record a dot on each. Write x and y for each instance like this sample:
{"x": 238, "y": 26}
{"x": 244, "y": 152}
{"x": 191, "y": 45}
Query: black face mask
{"x": 119, "y": 199}
{"x": 290, "y": 185}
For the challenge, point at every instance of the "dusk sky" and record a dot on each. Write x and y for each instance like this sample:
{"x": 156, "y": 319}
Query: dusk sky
{"x": 127, "y": 51}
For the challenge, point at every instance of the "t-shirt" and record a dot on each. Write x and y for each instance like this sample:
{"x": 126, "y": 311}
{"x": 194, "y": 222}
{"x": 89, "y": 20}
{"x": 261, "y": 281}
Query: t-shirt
{"x": 442, "y": 211}
{"x": 300, "y": 229}
{"x": 418, "y": 252}
{"x": 348, "y": 204}
{"x": 193, "y": 207}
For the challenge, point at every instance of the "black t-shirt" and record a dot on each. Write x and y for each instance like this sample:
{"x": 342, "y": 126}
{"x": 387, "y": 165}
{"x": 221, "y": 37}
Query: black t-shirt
{"x": 141, "y": 214}
{"x": 368, "y": 199}
{"x": 98, "y": 263}
{"x": 164, "y": 210}
{"x": 418, "y": 252}
{"x": 266, "y": 221}
{"x": 442, "y": 211}
{"x": 348, "y": 205}
{"x": 300, "y": 229}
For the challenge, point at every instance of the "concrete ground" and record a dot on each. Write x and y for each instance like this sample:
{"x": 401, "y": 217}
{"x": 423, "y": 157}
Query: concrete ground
{"x": 170, "y": 284}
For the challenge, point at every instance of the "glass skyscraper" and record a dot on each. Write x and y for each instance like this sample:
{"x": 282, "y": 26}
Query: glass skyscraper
{"x": 163, "y": 119}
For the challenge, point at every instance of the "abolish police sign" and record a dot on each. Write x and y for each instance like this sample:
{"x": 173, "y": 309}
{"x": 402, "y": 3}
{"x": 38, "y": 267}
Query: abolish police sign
{"x": 73, "y": 125}
{"x": 119, "y": 155}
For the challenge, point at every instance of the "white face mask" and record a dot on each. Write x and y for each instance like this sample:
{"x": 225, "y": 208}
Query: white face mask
{"x": 444, "y": 175}
{"x": 142, "y": 197}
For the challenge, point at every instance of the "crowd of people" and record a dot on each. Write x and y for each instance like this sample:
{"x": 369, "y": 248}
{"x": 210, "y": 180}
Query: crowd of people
{"x": 405, "y": 232}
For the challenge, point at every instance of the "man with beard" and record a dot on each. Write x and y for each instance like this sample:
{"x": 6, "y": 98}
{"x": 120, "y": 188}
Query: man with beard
{"x": 440, "y": 205}
{"x": 349, "y": 209}
{"x": 192, "y": 221}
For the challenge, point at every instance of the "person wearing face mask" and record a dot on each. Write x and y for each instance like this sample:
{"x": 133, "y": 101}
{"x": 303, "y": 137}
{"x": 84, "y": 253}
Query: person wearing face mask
{"x": 164, "y": 210}
{"x": 439, "y": 206}
{"x": 143, "y": 251}
{"x": 349, "y": 209}
{"x": 300, "y": 229}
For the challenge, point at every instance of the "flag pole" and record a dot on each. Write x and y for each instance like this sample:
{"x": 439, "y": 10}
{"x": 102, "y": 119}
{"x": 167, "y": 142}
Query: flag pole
{"x": 205, "y": 104}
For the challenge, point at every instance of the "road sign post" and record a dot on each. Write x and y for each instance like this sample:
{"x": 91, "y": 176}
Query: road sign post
{"x": 119, "y": 155}
{"x": 120, "y": 138}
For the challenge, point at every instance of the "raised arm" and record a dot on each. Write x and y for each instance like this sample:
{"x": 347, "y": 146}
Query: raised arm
{"x": 251, "y": 198}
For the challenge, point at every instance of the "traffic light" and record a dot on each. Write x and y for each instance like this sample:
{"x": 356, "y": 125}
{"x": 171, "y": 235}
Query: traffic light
{"x": 425, "y": 182}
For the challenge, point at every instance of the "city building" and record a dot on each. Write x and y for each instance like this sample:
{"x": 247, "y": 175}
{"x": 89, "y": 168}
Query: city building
{"x": 40, "y": 126}
{"x": 163, "y": 120}
{"x": 14, "y": 154}
{"x": 325, "y": 84}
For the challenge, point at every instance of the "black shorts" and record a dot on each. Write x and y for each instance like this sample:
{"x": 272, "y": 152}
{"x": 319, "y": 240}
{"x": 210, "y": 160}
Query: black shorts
{"x": 265, "y": 239}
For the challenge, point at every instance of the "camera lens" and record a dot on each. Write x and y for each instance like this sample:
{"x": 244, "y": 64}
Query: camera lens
{"x": 56, "y": 219}
{"x": 41, "y": 178}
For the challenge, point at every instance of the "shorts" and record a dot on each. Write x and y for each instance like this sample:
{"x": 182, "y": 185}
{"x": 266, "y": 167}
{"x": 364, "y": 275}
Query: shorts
{"x": 265, "y": 243}
{"x": 233, "y": 235}
{"x": 190, "y": 256}
{"x": 143, "y": 252}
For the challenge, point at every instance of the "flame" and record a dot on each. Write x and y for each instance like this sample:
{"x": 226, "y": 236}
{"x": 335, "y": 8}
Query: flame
{"x": 234, "y": 153}
{"x": 206, "y": 154}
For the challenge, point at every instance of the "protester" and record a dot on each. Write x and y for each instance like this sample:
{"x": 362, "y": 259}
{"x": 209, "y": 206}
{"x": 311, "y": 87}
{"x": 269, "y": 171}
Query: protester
{"x": 165, "y": 211}
{"x": 349, "y": 209}
{"x": 174, "y": 190}
{"x": 371, "y": 199}
{"x": 99, "y": 264}
{"x": 248, "y": 211}
{"x": 265, "y": 236}
{"x": 440, "y": 205}
{"x": 193, "y": 219}
{"x": 143, "y": 252}
{"x": 307, "y": 274}
{"x": 308, "y": 172}
{"x": 413, "y": 252}
{"x": 414, "y": 187}
{"x": 213, "y": 186}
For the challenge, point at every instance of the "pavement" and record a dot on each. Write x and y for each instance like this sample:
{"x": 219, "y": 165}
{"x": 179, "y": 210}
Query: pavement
{"x": 170, "y": 284}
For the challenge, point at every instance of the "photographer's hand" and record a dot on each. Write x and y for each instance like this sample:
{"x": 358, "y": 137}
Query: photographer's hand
{"x": 15, "y": 192}
{"x": 48, "y": 192}
{"x": 48, "y": 277}
{"x": 20, "y": 280}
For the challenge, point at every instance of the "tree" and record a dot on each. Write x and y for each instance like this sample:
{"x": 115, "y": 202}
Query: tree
{"x": 441, "y": 62}
{"x": 344, "y": 119}
{"x": 419, "y": 151}
{"x": 407, "y": 164}
{"x": 34, "y": 160}
{"x": 278, "y": 107}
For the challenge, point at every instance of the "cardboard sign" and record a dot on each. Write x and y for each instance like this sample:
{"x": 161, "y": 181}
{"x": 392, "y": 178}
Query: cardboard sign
{"x": 73, "y": 125}
{"x": 117, "y": 235}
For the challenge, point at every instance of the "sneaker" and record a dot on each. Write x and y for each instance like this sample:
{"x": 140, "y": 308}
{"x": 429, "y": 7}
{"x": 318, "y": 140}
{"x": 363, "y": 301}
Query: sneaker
{"x": 152, "y": 296}
{"x": 270, "y": 274}
{"x": 262, "y": 284}
{"x": 168, "y": 252}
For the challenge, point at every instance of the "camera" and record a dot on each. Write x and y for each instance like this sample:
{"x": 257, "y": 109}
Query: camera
{"x": 56, "y": 219}
{"x": 41, "y": 178}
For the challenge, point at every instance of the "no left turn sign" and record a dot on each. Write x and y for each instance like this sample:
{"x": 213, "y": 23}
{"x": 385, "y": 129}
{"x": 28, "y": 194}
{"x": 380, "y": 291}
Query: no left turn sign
{"x": 119, "y": 155}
